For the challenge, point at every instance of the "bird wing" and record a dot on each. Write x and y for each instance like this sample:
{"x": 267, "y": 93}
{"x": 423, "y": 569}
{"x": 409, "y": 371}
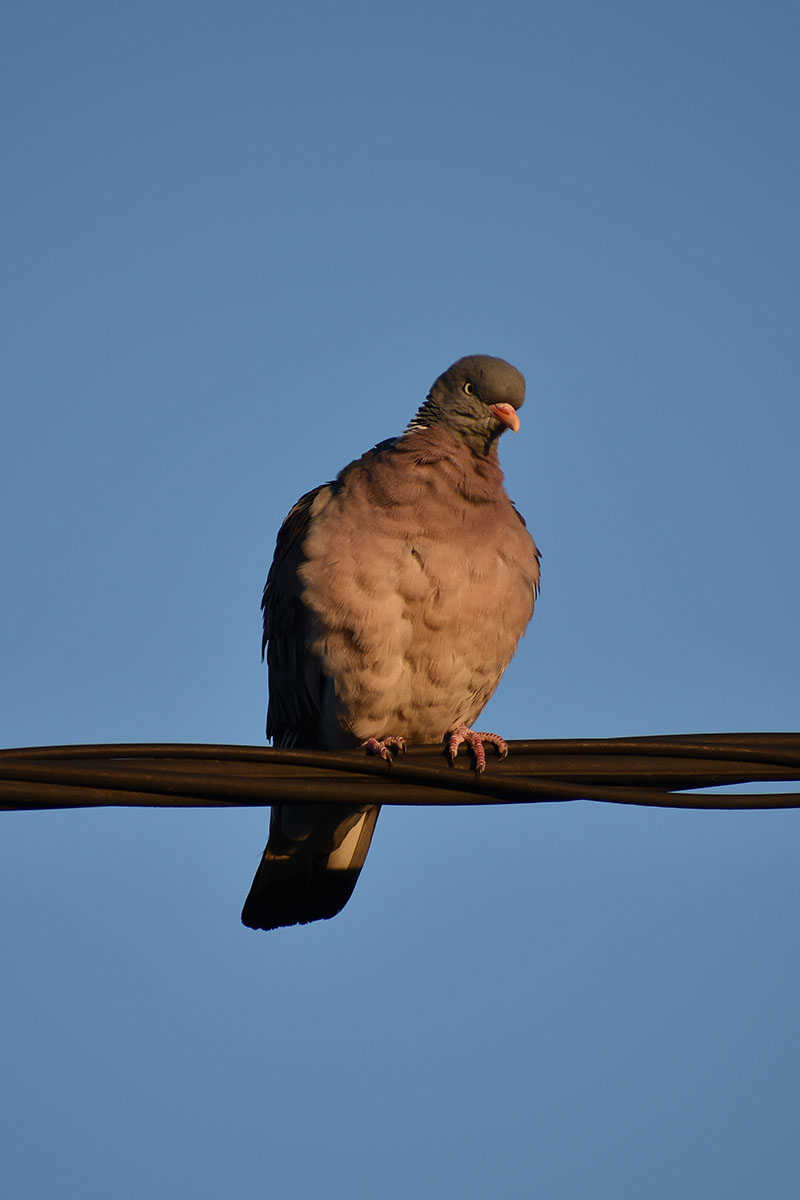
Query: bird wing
{"x": 296, "y": 681}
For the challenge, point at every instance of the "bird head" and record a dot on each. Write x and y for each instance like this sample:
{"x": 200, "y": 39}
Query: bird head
{"x": 476, "y": 399}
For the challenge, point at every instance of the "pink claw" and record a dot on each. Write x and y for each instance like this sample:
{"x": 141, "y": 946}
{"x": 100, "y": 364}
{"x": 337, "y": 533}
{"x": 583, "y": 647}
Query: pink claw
{"x": 384, "y": 747}
{"x": 475, "y": 741}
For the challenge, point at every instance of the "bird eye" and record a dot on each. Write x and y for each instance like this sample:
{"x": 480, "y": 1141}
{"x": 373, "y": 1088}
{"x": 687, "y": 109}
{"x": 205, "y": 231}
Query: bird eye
{"x": 469, "y": 389}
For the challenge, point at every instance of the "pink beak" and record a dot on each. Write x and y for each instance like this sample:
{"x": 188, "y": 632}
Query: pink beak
{"x": 506, "y": 414}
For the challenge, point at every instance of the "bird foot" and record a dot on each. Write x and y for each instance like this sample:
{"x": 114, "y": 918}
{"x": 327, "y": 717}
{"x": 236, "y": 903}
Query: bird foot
{"x": 383, "y": 747}
{"x": 475, "y": 741}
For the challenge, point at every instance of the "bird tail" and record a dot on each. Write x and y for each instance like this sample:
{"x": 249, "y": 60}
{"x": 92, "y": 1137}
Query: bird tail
{"x": 311, "y": 863}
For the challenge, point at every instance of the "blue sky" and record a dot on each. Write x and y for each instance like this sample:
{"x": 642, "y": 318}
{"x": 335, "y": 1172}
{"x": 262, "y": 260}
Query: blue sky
{"x": 240, "y": 241}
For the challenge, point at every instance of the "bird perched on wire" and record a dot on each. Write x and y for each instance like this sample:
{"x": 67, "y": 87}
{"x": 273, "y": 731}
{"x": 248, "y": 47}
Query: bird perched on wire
{"x": 395, "y": 601}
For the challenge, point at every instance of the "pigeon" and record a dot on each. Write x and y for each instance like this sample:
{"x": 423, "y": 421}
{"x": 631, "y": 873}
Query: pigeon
{"x": 395, "y": 601}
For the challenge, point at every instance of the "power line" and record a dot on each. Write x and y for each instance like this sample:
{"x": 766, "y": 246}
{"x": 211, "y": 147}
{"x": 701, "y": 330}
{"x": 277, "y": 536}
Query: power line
{"x": 662, "y": 772}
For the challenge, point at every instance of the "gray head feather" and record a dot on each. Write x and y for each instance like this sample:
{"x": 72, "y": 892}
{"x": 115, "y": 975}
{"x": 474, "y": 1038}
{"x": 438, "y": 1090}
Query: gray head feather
{"x": 462, "y": 397}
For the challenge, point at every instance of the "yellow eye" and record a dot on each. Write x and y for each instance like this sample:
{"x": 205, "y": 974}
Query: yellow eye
{"x": 469, "y": 389}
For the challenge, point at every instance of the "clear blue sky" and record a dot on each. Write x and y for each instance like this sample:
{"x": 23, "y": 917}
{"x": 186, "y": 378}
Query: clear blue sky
{"x": 240, "y": 240}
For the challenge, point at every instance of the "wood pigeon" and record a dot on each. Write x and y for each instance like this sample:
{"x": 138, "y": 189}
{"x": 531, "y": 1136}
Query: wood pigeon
{"x": 396, "y": 598}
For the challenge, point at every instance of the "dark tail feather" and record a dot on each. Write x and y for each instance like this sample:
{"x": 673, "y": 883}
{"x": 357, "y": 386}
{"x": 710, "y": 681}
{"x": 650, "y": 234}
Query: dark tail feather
{"x": 311, "y": 864}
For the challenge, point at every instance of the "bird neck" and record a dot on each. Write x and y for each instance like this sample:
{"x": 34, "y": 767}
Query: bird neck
{"x": 480, "y": 440}
{"x": 438, "y": 443}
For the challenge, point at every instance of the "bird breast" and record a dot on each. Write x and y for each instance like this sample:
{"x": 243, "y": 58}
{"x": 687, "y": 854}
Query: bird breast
{"x": 414, "y": 616}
